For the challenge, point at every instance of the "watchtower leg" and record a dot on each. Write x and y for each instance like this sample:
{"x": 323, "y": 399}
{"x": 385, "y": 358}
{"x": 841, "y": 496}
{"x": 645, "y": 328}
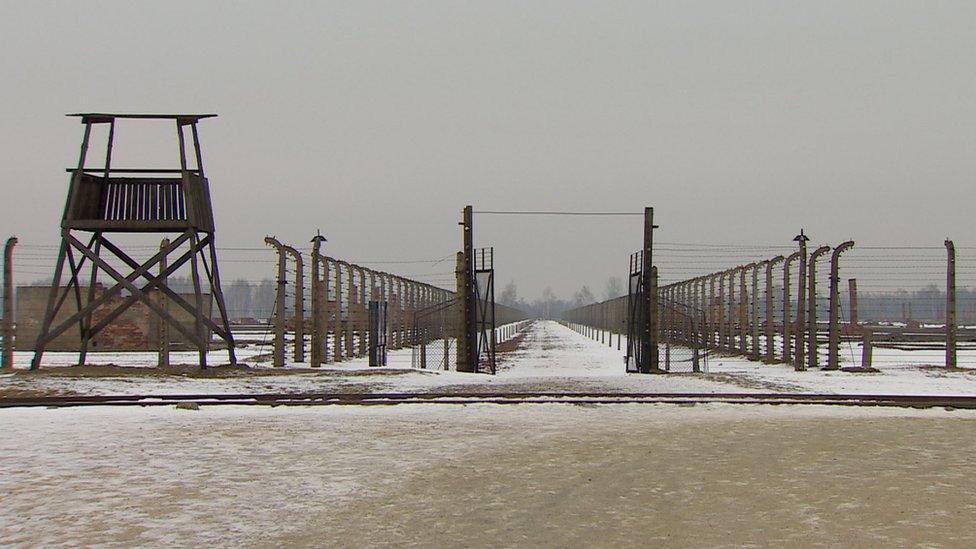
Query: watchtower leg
{"x": 86, "y": 324}
{"x": 51, "y": 300}
{"x": 218, "y": 295}
{"x": 197, "y": 324}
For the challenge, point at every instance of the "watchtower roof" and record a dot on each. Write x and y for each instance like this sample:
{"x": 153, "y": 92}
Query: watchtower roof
{"x": 96, "y": 117}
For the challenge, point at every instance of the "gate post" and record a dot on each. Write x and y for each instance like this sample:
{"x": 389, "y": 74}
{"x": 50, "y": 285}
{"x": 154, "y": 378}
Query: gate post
{"x": 812, "y": 303}
{"x": 950, "y": 356}
{"x": 278, "y": 353}
{"x": 770, "y": 326}
{"x": 467, "y": 342}
{"x": 7, "y": 356}
{"x": 650, "y": 304}
{"x": 833, "y": 345}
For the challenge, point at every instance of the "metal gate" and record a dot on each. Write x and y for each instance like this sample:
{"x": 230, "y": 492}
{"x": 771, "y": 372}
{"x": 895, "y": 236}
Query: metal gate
{"x": 636, "y": 317}
{"x": 377, "y": 333}
{"x": 484, "y": 291}
{"x": 683, "y": 337}
{"x": 434, "y": 336}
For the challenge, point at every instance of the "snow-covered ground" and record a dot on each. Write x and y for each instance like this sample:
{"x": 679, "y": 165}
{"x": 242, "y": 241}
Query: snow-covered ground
{"x": 487, "y": 475}
{"x": 550, "y": 357}
{"x": 480, "y": 474}
{"x": 900, "y": 372}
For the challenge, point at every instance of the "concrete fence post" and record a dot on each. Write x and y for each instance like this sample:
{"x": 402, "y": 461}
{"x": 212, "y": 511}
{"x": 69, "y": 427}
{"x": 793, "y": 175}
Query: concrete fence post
{"x": 866, "y": 348}
{"x": 278, "y": 354}
{"x": 349, "y": 331}
{"x": 9, "y": 343}
{"x": 787, "y": 321}
{"x": 162, "y": 359}
{"x": 770, "y": 324}
{"x": 754, "y": 312}
{"x": 338, "y": 339}
{"x": 812, "y": 303}
{"x": 833, "y": 344}
{"x": 318, "y": 302}
{"x": 950, "y": 329}
{"x": 722, "y": 339}
{"x": 744, "y": 309}
{"x": 299, "y": 304}
{"x": 730, "y": 324}
{"x": 800, "y": 358}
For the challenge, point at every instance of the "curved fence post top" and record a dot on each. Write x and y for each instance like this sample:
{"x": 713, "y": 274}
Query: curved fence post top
{"x": 272, "y": 241}
{"x": 844, "y": 246}
{"x": 791, "y": 258}
{"x": 819, "y": 252}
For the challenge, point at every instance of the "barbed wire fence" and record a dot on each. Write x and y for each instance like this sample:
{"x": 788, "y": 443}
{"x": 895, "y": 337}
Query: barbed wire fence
{"x": 853, "y": 307}
{"x": 895, "y": 306}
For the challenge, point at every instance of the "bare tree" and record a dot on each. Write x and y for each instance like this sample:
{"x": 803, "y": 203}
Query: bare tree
{"x": 583, "y": 297}
{"x": 548, "y": 299}
{"x": 614, "y": 288}
{"x": 509, "y": 295}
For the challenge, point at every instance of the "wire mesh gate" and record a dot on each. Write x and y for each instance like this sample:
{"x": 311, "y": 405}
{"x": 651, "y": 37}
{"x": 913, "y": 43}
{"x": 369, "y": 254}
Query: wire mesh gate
{"x": 484, "y": 291}
{"x": 636, "y": 317}
{"x": 683, "y": 337}
{"x": 434, "y": 336}
{"x": 378, "y": 332}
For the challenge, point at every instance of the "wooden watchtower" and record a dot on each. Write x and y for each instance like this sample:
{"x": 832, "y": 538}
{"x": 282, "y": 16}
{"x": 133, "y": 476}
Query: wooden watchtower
{"x": 105, "y": 201}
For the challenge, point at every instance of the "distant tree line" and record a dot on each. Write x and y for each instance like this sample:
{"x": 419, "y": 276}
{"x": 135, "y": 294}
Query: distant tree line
{"x": 256, "y": 299}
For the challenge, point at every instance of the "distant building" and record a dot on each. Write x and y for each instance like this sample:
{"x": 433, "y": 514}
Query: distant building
{"x": 136, "y": 329}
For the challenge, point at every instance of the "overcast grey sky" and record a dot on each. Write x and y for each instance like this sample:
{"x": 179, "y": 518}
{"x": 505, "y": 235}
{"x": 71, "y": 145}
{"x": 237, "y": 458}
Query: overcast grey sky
{"x": 739, "y": 122}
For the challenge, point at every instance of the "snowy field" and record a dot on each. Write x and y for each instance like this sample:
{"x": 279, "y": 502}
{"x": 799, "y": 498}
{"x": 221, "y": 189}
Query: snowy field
{"x": 436, "y": 475}
{"x": 550, "y": 357}
{"x": 488, "y": 475}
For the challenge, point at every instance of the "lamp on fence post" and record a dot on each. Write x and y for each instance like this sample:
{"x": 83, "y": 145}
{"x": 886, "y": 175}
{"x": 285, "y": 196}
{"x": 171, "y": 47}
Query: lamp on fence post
{"x": 317, "y": 300}
{"x": 800, "y": 362}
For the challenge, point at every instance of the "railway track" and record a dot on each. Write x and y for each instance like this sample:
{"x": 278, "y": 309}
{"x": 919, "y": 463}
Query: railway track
{"x": 388, "y": 399}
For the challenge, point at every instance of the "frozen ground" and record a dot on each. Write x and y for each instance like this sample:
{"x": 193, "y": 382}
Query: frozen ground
{"x": 550, "y": 357}
{"x": 488, "y": 475}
